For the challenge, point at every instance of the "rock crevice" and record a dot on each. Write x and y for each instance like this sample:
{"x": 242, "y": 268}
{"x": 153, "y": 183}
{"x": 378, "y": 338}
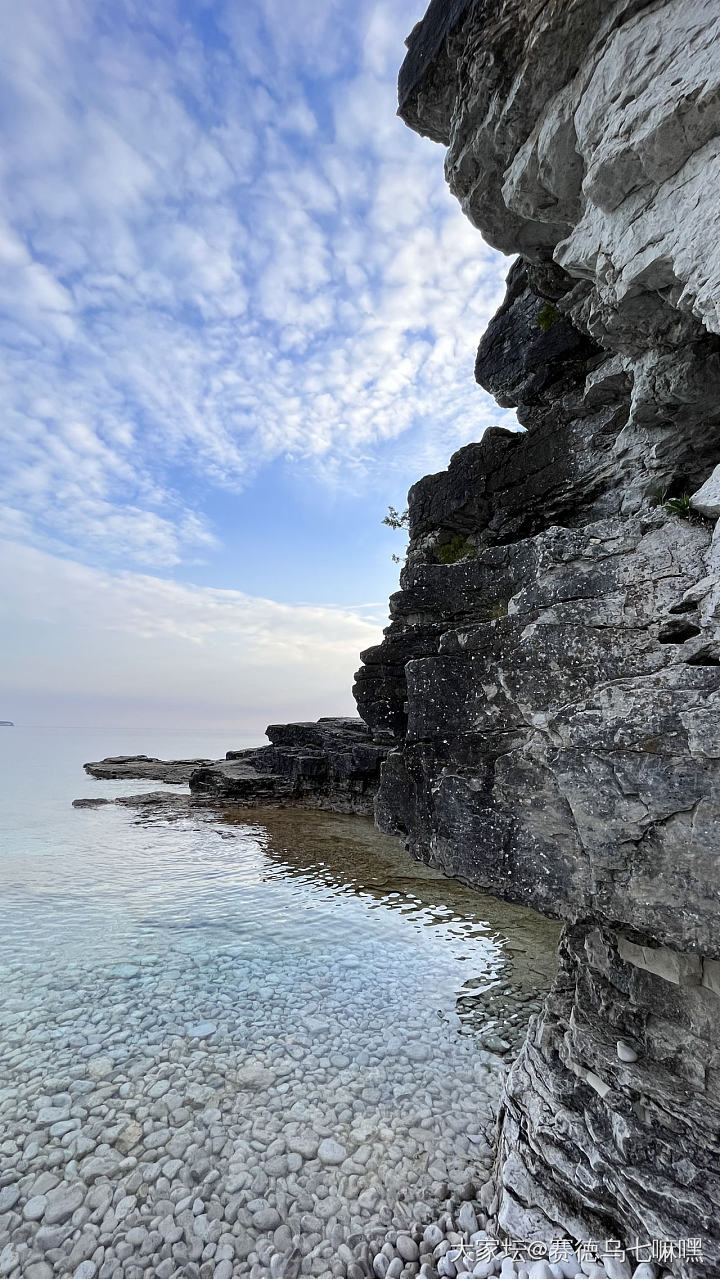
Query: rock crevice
{"x": 549, "y": 683}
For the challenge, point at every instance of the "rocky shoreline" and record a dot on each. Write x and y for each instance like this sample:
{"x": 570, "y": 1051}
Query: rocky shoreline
{"x": 432, "y": 1240}
{"x": 542, "y": 711}
{"x": 550, "y": 675}
{"x": 331, "y": 763}
{"x": 193, "y": 1125}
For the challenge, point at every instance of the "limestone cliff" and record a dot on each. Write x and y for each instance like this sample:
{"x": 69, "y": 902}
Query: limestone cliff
{"x": 550, "y": 679}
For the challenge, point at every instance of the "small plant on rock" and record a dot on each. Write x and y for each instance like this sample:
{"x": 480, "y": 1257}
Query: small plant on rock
{"x": 397, "y": 520}
{"x": 394, "y": 519}
{"x": 547, "y": 316}
{"x": 679, "y": 506}
{"x": 456, "y": 549}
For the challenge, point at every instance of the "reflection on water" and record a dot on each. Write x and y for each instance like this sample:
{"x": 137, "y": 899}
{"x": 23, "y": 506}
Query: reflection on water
{"x": 200, "y": 1001}
{"x": 102, "y": 884}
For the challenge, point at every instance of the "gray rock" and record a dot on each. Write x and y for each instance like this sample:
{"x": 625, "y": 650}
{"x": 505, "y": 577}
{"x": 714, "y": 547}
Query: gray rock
{"x": 34, "y": 1209}
{"x": 86, "y": 1270}
{"x": 330, "y": 763}
{"x": 9, "y": 1196}
{"x": 174, "y": 772}
{"x": 201, "y": 1029}
{"x": 266, "y": 1219}
{"x": 706, "y": 501}
{"x": 128, "y": 1137}
{"x": 466, "y": 1219}
{"x": 331, "y": 1152}
{"x": 62, "y": 1202}
{"x": 550, "y": 678}
{"x": 407, "y": 1248}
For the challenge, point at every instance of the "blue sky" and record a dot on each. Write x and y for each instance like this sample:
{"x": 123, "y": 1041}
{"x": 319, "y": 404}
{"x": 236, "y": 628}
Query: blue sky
{"x": 238, "y": 318}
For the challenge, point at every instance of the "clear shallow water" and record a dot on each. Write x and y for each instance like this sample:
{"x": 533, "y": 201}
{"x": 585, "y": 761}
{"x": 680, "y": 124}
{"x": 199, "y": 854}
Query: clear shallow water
{"x": 228, "y": 991}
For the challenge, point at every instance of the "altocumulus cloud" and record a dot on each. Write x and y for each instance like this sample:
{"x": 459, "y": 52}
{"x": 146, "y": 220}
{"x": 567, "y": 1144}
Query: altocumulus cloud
{"x": 220, "y": 252}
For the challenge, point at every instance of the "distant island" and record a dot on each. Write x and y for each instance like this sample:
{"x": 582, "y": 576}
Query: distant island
{"x": 6, "y": 723}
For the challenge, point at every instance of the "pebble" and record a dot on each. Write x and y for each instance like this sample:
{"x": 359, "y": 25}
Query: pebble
{"x": 128, "y": 1137}
{"x": 618, "y": 1268}
{"x": 625, "y": 1051}
{"x": 9, "y": 1196}
{"x": 466, "y": 1219}
{"x": 86, "y": 1270}
{"x": 35, "y": 1208}
{"x": 100, "y": 1067}
{"x": 331, "y": 1152}
{"x": 61, "y": 1203}
{"x": 229, "y": 1111}
{"x": 201, "y": 1029}
{"x": 417, "y": 1052}
{"x": 407, "y": 1248}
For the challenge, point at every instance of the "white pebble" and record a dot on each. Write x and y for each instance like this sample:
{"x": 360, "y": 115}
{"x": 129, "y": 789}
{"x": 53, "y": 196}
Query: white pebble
{"x": 625, "y": 1052}
{"x": 86, "y": 1270}
{"x": 331, "y": 1152}
{"x": 201, "y": 1030}
{"x": 617, "y": 1267}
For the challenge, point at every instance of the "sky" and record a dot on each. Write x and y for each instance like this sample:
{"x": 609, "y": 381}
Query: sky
{"x": 238, "y": 319}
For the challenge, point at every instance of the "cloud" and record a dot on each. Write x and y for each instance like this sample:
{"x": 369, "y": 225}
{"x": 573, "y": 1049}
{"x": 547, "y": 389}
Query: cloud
{"x": 137, "y": 638}
{"x": 220, "y": 250}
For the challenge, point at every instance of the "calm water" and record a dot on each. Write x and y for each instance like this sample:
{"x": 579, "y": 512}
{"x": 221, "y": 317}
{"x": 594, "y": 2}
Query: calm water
{"x": 233, "y": 984}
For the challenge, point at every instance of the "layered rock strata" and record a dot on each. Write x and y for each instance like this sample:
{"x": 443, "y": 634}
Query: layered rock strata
{"x": 173, "y": 772}
{"x": 550, "y": 678}
{"x": 331, "y": 763}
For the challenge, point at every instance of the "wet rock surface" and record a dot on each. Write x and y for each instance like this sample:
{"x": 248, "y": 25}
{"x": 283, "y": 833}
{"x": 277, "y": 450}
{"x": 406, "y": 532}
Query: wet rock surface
{"x": 550, "y": 678}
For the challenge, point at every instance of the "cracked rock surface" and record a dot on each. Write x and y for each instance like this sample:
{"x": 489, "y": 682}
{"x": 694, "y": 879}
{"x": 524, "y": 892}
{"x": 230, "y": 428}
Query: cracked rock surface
{"x": 550, "y": 678}
{"x": 329, "y": 763}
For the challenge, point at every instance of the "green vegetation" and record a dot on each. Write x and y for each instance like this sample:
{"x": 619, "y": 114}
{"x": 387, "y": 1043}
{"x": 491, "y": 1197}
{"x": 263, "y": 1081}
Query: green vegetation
{"x": 680, "y": 506}
{"x": 456, "y": 549}
{"x": 397, "y": 520}
{"x": 394, "y": 519}
{"x": 547, "y": 316}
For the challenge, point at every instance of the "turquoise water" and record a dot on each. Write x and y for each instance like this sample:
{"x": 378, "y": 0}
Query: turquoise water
{"x": 220, "y": 986}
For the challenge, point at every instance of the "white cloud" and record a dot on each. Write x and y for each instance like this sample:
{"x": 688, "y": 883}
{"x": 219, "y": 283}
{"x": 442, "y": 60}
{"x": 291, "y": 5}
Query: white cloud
{"x": 137, "y": 638}
{"x": 220, "y": 255}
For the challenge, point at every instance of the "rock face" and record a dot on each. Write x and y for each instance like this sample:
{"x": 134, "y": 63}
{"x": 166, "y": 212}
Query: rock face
{"x": 331, "y": 763}
{"x": 550, "y": 679}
